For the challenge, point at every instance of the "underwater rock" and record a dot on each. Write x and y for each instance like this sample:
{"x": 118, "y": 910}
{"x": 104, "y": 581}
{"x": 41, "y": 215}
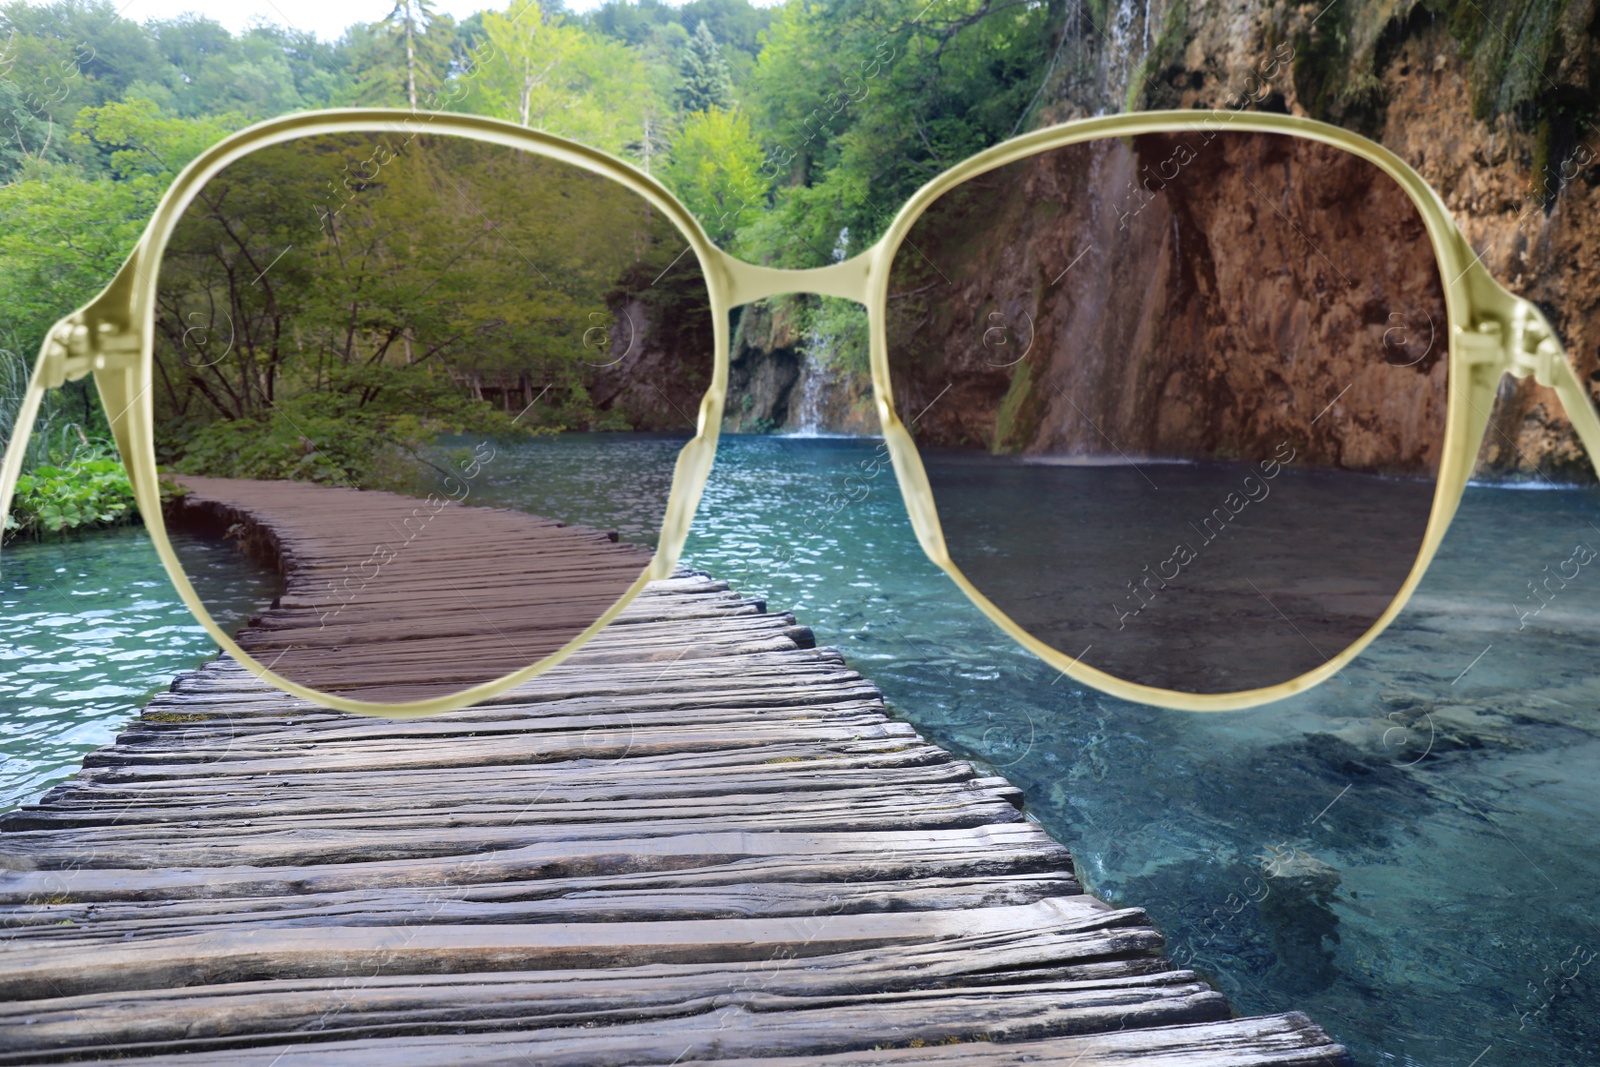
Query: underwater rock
{"x": 1290, "y": 864}
{"x": 1416, "y": 729}
{"x": 1299, "y": 917}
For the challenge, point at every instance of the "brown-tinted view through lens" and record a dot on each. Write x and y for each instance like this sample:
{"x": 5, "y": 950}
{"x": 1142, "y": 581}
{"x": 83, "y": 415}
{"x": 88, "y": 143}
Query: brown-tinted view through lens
{"x": 1221, "y": 377}
{"x": 438, "y": 385}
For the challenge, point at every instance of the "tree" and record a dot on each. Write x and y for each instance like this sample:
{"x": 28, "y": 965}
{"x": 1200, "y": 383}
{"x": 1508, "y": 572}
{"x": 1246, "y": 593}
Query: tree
{"x": 406, "y": 57}
{"x": 550, "y": 75}
{"x": 24, "y": 135}
{"x": 707, "y": 83}
{"x": 64, "y": 233}
{"x": 716, "y": 171}
{"x": 110, "y": 51}
{"x": 860, "y": 102}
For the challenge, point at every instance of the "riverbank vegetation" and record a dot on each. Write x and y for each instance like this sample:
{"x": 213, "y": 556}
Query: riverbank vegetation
{"x": 70, "y": 479}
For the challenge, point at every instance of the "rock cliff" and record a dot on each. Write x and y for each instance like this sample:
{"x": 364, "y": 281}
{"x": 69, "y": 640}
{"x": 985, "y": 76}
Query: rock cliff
{"x": 1211, "y": 293}
{"x": 1493, "y": 103}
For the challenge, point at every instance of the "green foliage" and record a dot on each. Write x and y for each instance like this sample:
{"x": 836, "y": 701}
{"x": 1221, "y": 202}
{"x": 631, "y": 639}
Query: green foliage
{"x": 334, "y": 438}
{"x": 424, "y": 275}
{"x": 90, "y": 489}
{"x": 64, "y": 231}
{"x": 862, "y": 101}
{"x": 716, "y": 171}
{"x": 146, "y": 146}
{"x": 707, "y": 81}
{"x": 405, "y": 59}
{"x": 662, "y": 31}
{"x": 109, "y": 51}
{"x": 550, "y": 75}
{"x": 64, "y": 418}
{"x": 62, "y": 236}
{"x": 69, "y": 481}
{"x": 836, "y": 335}
{"x": 25, "y": 137}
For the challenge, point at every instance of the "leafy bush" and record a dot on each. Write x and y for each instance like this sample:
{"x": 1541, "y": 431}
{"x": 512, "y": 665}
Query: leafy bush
{"x": 334, "y": 438}
{"x": 88, "y": 490}
{"x": 69, "y": 479}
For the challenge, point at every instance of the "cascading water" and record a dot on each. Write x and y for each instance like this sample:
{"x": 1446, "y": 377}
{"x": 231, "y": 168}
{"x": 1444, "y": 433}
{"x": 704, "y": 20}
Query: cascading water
{"x": 815, "y": 374}
{"x": 1131, "y": 26}
{"x": 808, "y": 421}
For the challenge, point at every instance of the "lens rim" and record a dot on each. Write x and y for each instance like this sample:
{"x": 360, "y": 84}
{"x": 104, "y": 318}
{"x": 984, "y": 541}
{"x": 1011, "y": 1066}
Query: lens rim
{"x": 135, "y": 434}
{"x": 1469, "y": 290}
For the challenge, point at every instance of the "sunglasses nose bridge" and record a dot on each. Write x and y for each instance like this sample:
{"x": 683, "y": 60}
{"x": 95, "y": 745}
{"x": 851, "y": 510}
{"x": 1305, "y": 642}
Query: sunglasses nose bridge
{"x": 748, "y": 282}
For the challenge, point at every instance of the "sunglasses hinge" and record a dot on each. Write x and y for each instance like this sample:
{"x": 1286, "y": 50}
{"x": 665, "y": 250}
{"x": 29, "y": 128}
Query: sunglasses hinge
{"x": 1525, "y": 345}
{"x": 73, "y": 350}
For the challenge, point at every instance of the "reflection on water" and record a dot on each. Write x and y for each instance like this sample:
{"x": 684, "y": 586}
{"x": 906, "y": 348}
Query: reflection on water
{"x": 1406, "y": 853}
{"x": 1211, "y": 577}
{"x": 610, "y": 481}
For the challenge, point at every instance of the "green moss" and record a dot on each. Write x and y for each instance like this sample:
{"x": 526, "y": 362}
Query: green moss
{"x": 1508, "y": 45}
{"x": 1166, "y": 53}
{"x": 1510, "y": 49}
{"x": 1021, "y": 411}
{"x": 173, "y": 717}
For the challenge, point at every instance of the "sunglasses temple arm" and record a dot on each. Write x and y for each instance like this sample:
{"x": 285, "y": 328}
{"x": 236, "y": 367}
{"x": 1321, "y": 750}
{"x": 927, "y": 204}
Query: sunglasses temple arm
{"x": 1580, "y": 410}
{"x": 1535, "y": 350}
{"x": 17, "y": 446}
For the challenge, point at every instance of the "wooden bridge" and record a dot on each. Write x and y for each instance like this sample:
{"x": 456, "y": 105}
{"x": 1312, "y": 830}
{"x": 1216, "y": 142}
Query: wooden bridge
{"x": 699, "y": 839}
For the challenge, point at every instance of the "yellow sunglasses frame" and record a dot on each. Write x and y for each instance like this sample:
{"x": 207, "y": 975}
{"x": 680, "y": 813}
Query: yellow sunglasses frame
{"x": 1491, "y": 332}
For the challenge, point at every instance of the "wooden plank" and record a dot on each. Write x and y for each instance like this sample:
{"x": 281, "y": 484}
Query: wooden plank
{"x": 682, "y": 859}
{"x": 77, "y": 964}
{"x": 767, "y": 1028}
{"x": 633, "y": 1015}
{"x": 581, "y": 900}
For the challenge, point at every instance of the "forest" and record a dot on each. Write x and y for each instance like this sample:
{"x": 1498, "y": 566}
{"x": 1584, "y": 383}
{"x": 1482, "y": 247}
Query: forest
{"x": 792, "y": 133}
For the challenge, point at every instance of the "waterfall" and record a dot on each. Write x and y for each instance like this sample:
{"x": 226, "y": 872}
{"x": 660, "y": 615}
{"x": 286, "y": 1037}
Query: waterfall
{"x": 815, "y": 373}
{"x": 1131, "y": 26}
{"x": 808, "y": 412}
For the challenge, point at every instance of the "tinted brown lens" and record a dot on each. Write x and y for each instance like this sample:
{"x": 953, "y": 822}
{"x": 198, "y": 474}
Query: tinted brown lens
{"x": 439, "y": 385}
{"x": 1181, "y": 398}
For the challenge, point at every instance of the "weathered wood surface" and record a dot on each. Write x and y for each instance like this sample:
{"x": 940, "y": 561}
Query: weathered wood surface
{"x": 390, "y": 598}
{"x": 699, "y": 839}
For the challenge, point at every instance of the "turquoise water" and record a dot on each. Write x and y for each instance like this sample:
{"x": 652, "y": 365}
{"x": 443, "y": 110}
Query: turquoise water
{"x": 91, "y": 629}
{"x": 1407, "y": 853}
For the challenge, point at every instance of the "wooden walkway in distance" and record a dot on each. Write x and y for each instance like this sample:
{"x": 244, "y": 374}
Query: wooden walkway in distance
{"x": 697, "y": 840}
{"x": 390, "y": 600}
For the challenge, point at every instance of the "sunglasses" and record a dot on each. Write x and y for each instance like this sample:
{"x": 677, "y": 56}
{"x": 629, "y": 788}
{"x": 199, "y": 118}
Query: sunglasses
{"x": 455, "y": 387}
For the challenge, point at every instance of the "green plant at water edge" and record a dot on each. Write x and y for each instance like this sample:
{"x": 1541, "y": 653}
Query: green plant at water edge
{"x": 364, "y": 432}
{"x": 90, "y": 489}
{"x": 70, "y": 480}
